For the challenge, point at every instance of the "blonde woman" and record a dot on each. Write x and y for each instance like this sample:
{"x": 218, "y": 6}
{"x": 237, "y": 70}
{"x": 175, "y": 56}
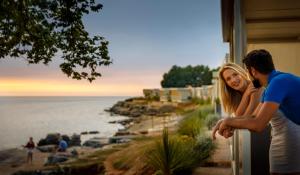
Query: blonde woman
{"x": 240, "y": 97}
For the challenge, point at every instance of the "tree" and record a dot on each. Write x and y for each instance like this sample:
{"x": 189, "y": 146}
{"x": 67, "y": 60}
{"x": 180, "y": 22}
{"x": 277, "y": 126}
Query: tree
{"x": 189, "y": 75}
{"x": 38, "y": 29}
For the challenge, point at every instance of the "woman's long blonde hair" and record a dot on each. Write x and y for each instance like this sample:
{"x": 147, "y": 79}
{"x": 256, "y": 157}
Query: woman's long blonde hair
{"x": 230, "y": 98}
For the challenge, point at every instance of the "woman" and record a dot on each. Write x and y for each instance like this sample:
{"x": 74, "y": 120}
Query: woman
{"x": 240, "y": 97}
{"x": 30, "y": 146}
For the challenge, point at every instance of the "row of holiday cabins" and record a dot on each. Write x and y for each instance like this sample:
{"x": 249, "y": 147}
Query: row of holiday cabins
{"x": 180, "y": 95}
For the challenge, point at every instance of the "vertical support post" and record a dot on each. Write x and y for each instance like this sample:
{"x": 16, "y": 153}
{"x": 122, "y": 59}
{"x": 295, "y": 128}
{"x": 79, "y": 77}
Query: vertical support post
{"x": 239, "y": 49}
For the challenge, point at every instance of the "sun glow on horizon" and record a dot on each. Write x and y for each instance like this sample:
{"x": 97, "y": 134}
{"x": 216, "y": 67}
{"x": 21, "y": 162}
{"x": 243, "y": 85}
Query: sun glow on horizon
{"x": 30, "y": 87}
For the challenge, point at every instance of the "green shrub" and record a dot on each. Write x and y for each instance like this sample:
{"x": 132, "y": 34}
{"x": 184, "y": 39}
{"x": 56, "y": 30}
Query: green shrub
{"x": 211, "y": 120}
{"x": 205, "y": 110}
{"x": 193, "y": 123}
{"x": 203, "y": 148}
{"x": 170, "y": 155}
{"x": 191, "y": 126}
{"x": 201, "y": 101}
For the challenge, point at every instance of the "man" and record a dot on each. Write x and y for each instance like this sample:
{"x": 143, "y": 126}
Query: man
{"x": 282, "y": 92}
{"x": 62, "y": 146}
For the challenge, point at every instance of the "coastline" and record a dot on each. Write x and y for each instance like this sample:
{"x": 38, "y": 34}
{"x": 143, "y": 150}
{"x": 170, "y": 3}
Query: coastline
{"x": 138, "y": 126}
{"x": 36, "y": 117}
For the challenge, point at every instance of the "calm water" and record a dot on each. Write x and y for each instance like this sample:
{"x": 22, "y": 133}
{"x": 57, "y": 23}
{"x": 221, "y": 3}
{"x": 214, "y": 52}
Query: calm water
{"x": 22, "y": 117}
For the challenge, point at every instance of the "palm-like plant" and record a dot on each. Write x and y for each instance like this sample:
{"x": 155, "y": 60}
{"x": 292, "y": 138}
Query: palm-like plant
{"x": 170, "y": 155}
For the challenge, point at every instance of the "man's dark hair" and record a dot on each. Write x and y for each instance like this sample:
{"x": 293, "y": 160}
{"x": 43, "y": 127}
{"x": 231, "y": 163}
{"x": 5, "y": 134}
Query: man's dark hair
{"x": 260, "y": 60}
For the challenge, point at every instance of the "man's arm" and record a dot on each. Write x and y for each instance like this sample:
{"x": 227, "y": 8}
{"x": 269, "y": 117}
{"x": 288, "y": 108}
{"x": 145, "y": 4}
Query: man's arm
{"x": 257, "y": 124}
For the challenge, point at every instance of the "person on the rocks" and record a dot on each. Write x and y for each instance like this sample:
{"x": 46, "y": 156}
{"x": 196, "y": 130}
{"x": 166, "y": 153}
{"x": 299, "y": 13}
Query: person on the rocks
{"x": 62, "y": 146}
{"x": 30, "y": 147}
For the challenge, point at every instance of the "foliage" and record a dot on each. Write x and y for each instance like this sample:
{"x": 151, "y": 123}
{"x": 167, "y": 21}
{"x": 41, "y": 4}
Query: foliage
{"x": 205, "y": 110}
{"x": 211, "y": 120}
{"x": 132, "y": 158}
{"x": 183, "y": 76}
{"x": 217, "y": 100}
{"x": 193, "y": 123}
{"x": 191, "y": 126}
{"x": 201, "y": 101}
{"x": 121, "y": 163}
{"x": 38, "y": 30}
{"x": 203, "y": 148}
{"x": 171, "y": 155}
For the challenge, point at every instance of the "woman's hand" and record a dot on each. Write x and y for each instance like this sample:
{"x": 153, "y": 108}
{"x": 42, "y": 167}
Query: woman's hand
{"x": 250, "y": 89}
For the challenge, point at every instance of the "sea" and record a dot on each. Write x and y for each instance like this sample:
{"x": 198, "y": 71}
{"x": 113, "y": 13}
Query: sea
{"x": 24, "y": 117}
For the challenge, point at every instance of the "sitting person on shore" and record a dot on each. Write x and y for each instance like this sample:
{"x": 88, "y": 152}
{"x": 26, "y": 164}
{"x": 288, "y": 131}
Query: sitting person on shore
{"x": 29, "y": 146}
{"x": 240, "y": 97}
{"x": 62, "y": 146}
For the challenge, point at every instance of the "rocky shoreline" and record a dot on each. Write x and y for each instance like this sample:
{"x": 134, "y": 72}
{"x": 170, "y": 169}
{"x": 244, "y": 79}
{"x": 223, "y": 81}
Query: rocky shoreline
{"x": 136, "y": 109}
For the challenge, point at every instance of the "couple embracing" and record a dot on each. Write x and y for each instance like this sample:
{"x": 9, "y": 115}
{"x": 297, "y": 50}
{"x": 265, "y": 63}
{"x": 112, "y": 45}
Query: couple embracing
{"x": 271, "y": 97}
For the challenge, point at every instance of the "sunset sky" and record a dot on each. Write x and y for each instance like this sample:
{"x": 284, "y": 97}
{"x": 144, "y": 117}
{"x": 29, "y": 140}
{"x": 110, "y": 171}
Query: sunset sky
{"x": 147, "y": 37}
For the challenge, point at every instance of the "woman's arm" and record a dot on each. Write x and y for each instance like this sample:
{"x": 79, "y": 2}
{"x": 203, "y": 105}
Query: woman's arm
{"x": 253, "y": 102}
{"x": 246, "y": 101}
{"x": 243, "y": 105}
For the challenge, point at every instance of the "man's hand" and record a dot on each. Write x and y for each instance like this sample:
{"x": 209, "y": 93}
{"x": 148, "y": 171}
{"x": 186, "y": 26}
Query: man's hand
{"x": 216, "y": 128}
{"x": 222, "y": 129}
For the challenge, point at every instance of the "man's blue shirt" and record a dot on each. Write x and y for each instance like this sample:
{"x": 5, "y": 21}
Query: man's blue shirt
{"x": 63, "y": 144}
{"x": 284, "y": 89}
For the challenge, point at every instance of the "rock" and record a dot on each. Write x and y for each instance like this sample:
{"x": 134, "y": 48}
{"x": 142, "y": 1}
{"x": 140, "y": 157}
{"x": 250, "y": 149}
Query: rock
{"x": 51, "y": 139}
{"x": 152, "y": 111}
{"x": 84, "y": 133}
{"x": 75, "y": 140}
{"x": 122, "y": 133}
{"x": 144, "y": 132}
{"x": 55, "y": 159}
{"x": 94, "y": 132}
{"x": 107, "y": 110}
{"x": 42, "y": 142}
{"x": 121, "y": 139}
{"x": 96, "y": 142}
{"x": 135, "y": 113}
{"x": 125, "y": 121}
{"x": 124, "y": 111}
{"x": 46, "y": 148}
{"x": 74, "y": 153}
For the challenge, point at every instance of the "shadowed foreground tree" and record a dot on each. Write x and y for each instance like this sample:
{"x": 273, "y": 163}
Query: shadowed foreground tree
{"x": 38, "y": 29}
{"x": 183, "y": 76}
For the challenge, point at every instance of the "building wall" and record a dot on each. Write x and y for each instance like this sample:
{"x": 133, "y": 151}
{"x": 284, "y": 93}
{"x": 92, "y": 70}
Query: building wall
{"x": 286, "y": 56}
{"x": 164, "y": 95}
{"x": 180, "y": 94}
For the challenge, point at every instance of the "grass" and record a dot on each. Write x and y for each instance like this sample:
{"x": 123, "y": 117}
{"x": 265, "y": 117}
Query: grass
{"x": 171, "y": 155}
{"x": 191, "y": 126}
{"x": 91, "y": 164}
{"x": 193, "y": 123}
{"x": 132, "y": 158}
